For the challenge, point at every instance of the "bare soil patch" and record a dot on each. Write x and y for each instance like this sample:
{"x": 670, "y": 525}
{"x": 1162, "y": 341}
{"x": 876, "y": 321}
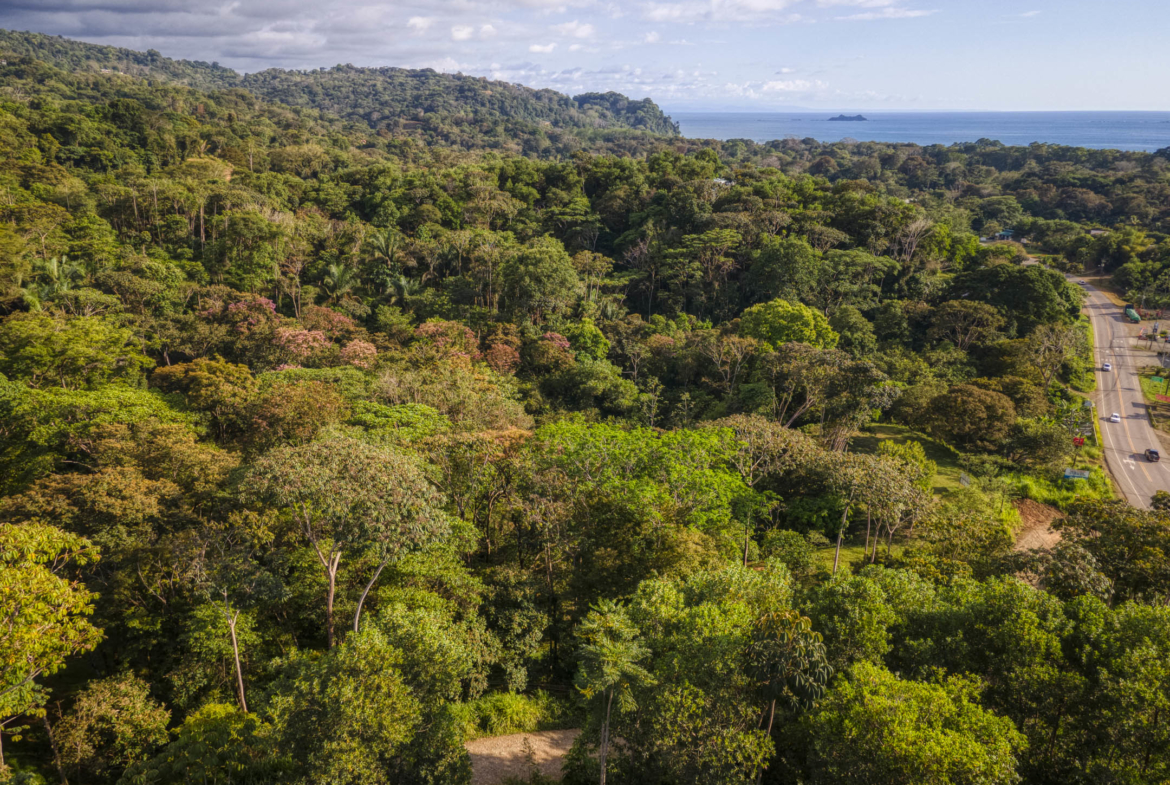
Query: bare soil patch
{"x": 1037, "y": 531}
{"x": 496, "y": 758}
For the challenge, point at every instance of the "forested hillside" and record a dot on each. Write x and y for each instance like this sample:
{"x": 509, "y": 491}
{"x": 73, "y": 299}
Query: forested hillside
{"x": 324, "y": 450}
{"x": 447, "y": 109}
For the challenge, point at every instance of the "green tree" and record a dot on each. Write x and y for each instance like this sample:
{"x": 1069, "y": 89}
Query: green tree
{"x": 378, "y": 729}
{"x": 1026, "y": 296}
{"x": 912, "y": 456}
{"x": 540, "y": 279}
{"x": 113, "y": 723}
{"x": 609, "y": 666}
{"x": 45, "y": 612}
{"x": 220, "y": 388}
{"x": 787, "y": 660}
{"x": 72, "y": 353}
{"x": 1131, "y": 546}
{"x": 215, "y": 744}
{"x": 970, "y": 417}
{"x": 854, "y": 616}
{"x": 784, "y": 268}
{"x": 346, "y": 497}
{"x": 780, "y": 322}
{"x": 856, "y": 333}
{"x": 965, "y": 323}
{"x": 874, "y": 727}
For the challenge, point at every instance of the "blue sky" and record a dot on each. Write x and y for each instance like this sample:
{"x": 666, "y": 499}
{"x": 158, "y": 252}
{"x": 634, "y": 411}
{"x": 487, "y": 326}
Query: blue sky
{"x": 748, "y": 55}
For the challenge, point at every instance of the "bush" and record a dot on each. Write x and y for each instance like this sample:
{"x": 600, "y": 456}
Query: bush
{"x": 504, "y": 713}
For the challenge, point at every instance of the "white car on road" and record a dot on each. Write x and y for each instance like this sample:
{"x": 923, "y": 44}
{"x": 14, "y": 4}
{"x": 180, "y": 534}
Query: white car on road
{"x": 1107, "y": 366}
{"x": 1115, "y": 417}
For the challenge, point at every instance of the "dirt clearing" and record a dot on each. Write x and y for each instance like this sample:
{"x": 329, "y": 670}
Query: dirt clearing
{"x": 1037, "y": 530}
{"x": 495, "y": 759}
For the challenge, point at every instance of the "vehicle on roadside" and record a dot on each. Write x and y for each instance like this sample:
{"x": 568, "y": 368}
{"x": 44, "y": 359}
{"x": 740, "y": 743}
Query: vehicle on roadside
{"x": 1082, "y": 283}
{"x": 1115, "y": 417}
{"x": 1153, "y": 456}
{"x": 1132, "y": 315}
{"x": 1106, "y": 366}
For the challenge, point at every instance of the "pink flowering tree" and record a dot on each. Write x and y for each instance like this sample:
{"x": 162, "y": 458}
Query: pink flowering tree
{"x": 299, "y": 344}
{"x": 359, "y": 354}
{"x": 502, "y": 358}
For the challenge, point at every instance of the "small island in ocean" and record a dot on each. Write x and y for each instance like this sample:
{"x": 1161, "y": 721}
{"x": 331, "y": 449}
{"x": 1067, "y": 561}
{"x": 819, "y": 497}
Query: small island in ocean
{"x": 841, "y": 118}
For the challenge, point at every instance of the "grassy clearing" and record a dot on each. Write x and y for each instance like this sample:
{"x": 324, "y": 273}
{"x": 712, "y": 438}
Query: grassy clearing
{"x": 1052, "y": 489}
{"x": 853, "y": 554}
{"x": 1045, "y": 487}
{"x": 947, "y": 458}
{"x": 1159, "y": 411}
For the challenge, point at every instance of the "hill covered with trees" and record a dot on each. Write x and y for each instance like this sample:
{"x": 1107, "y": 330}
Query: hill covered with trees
{"x": 324, "y": 450}
{"x": 451, "y": 109}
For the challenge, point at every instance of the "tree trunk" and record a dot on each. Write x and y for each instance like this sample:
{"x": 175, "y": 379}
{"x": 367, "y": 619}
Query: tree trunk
{"x": 232, "y": 619}
{"x": 868, "y": 526}
{"x": 358, "y": 615}
{"x": 771, "y": 717}
{"x": 603, "y": 753}
{"x": 746, "y": 540}
{"x": 53, "y": 746}
{"x": 837, "y": 552}
{"x": 840, "y": 536}
{"x": 334, "y": 561}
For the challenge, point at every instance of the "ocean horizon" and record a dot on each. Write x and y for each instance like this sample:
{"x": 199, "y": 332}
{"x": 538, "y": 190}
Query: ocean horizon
{"x": 1134, "y": 131}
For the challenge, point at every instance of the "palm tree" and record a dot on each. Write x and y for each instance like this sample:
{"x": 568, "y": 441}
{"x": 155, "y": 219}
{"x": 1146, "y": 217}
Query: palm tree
{"x": 339, "y": 280}
{"x": 51, "y": 279}
{"x": 386, "y": 248}
{"x": 404, "y": 289}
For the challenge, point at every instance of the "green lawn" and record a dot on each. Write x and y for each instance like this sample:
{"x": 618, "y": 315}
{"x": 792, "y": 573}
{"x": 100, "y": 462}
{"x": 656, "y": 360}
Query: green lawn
{"x": 1159, "y": 411}
{"x": 947, "y": 458}
{"x": 852, "y": 553}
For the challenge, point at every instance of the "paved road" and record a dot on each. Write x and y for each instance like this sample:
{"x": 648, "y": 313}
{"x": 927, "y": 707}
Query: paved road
{"x": 1119, "y": 391}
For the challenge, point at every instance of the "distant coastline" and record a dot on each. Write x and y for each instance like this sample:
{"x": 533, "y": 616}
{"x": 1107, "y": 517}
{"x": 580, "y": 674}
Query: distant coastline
{"x": 842, "y": 118}
{"x": 1131, "y": 131}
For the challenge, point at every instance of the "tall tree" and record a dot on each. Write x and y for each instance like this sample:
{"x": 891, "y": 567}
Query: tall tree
{"x": 610, "y": 655}
{"x": 346, "y": 497}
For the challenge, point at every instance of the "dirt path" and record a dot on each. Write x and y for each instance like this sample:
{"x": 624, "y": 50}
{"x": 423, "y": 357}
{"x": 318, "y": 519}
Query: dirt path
{"x": 499, "y": 757}
{"x": 1037, "y": 530}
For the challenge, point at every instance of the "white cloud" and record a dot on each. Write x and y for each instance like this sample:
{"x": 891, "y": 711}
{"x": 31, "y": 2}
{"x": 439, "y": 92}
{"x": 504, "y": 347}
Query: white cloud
{"x": 651, "y": 37}
{"x": 720, "y": 11}
{"x": 420, "y": 24}
{"x": 857, "y": 3}
{"x": 575, "y": 29}
{"x": 462, "y": 32}
{"x": 445, "y": 64}
{"x": 1028, "y": 14}
{"x": 786, "y": 71}
{"x": 889, "y": 12}
{"x": 792, "y": 86}
{"x": 487, "y": 31}
{"x": 542, "y": 49}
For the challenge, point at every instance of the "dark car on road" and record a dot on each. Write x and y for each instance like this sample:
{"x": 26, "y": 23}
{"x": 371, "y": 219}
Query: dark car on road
{"x": 1152, "y": 456}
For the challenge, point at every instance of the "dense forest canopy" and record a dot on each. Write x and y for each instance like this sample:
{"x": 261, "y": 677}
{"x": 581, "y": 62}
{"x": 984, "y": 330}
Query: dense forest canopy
{"x": 347, "y": 415}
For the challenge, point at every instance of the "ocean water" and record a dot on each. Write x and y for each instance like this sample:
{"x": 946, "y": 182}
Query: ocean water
{"x": 1146, "y": 131}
